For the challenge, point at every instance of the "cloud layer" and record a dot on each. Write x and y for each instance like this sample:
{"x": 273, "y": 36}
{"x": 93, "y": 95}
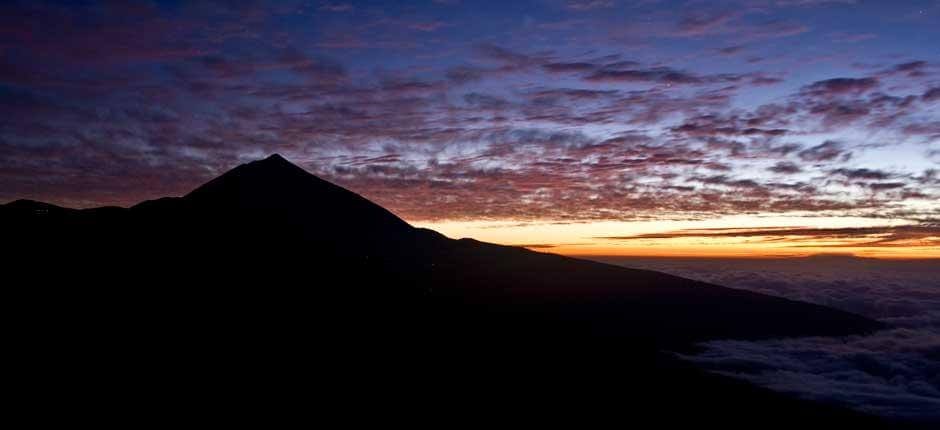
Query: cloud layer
{"x": 894, "y": 373}
{"x": 680, "y": 115}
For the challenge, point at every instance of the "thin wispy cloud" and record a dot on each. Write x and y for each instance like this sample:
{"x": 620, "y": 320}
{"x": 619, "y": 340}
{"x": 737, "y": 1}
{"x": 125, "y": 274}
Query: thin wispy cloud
{"x": 922, "y": 235}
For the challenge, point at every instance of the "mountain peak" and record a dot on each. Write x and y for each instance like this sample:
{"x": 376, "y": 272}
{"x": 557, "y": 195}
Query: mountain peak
{"x": 271, "y": 164}
{"x": 271, "y": 172}
{"x": 276, "y": 159}
{"x": 275, "y": 185}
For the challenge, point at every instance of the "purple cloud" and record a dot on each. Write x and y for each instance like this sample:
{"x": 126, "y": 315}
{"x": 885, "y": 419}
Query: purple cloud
{"x": 827, "y": 151}
{"x": 870, "y": 174}
{"x": 840, "y": 86}
{"x": 585, "y": 5}
{"x": 931, "y": 95}
{"x": 785, "y": 167}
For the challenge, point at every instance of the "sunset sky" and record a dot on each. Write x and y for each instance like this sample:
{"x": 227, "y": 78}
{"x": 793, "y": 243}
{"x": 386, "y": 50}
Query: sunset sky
{"x": 748, "y": 128}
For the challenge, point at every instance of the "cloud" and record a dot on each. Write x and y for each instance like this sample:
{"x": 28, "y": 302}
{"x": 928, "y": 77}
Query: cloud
{"x": 891, "y": 373}
{"x": 659, "y": 75}
{"x": 503, "y": 55}
{"x": 931, "y": 130}
{"x": 931, "y": 95}
{"x": 662, "y": 75}
{"x": 922, "y": 235}
{"x": 713, "y": 125}
{"x": 465, "y": 74}
{"x": 826, "y": 151}
{"x": 704, "y": 22}
{"x": 568, "y": 67}
{"x": 913, "y": 69}
{"x": 869, "y": 174}
{"x": 727, "y": 181}
{"x": 899, "y": 292}
{"x": 785, "y": 167}
{"x": 586, "y": 5}
{"x": 428, "y": 26}
{"x": 840, "y": 86}
{"x": 335, "y": 7}
{"x": 738, "y": 21}
{"x": 853, "y": 37}
{"x": 571, "y": 93}
{"x": 775, "y": 29}
{"x": 847, "y": 103}
{"x": 882, "y": 186}
{"x": 451, "y": 129}
{"x": 485, "y": 101}
{"x": 788, "y": 3}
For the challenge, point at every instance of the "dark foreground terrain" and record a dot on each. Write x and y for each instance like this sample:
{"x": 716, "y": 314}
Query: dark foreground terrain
{"x": 269, "y": 295}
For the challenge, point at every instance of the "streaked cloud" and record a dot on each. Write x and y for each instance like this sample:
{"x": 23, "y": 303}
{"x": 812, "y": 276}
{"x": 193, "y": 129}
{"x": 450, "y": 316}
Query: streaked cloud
{"x": 913, "y": 236}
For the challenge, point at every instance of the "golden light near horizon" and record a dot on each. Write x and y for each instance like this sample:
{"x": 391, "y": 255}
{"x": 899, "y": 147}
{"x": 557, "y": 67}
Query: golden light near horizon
{"x": 673, "y": 238}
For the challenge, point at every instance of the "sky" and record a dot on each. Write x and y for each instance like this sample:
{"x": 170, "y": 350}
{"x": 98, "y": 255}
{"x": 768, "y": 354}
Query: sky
{"x": 757, "y": 128}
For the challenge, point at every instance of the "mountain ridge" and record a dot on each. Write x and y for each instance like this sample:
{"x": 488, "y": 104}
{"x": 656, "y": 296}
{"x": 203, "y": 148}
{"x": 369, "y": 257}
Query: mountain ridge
{"x": 275, "y": 192}
{"x": 267, "y": 255}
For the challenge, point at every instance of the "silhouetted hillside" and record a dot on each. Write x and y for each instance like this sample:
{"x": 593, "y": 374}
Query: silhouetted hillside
{"x": 268, "y": 283}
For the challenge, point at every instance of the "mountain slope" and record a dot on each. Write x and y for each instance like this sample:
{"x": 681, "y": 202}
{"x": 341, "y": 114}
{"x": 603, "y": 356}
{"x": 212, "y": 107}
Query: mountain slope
{"x": 271, "y": 213}
{"x": 270, "y": 266}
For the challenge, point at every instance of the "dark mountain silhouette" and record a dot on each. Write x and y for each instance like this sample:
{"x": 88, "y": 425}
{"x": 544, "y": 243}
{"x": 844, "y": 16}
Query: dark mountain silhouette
{"x": 274, "y": 186}
{"x": 268, "y": 284}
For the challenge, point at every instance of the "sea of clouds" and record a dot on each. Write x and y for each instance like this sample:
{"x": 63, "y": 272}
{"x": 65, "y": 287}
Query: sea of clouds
{"x": 893, "y": 373}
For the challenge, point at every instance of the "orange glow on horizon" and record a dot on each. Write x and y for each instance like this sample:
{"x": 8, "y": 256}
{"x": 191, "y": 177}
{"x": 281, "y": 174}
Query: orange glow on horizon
{"x": 742, "y": 251}
{"x": 860, "y": 237}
